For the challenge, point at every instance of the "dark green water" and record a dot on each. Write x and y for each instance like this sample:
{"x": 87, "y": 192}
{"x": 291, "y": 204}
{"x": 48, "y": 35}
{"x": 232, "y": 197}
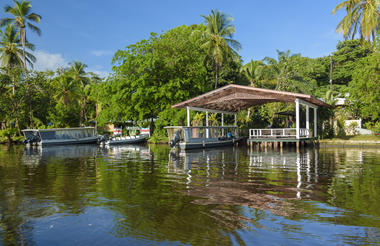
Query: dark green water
{"x": 141, "y": 195}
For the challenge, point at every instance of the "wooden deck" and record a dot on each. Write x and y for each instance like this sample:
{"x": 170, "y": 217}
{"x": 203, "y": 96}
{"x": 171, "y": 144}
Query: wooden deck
{"x": 279, "y": 136}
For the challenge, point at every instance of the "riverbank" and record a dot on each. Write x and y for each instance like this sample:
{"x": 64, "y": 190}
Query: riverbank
{"x": 351, "y": 141}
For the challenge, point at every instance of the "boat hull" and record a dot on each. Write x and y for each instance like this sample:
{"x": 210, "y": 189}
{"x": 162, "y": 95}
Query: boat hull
{"x": 90, "y": 140}
{"x": 126, "y": 141}
{"x": 208, "y": 144}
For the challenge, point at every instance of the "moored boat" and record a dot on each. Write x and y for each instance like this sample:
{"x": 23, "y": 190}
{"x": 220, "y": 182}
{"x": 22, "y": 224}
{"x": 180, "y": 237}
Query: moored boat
{"x": 141, "y": 138}
{"x": 60, "y": 136}
{"x": 202, "y": 137}
{"x": 127, "y": 140}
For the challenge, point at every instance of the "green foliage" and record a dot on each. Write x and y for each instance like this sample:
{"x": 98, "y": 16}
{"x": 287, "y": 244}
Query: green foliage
{"x": 365, "y": 90}
{"x": 373, "y": 126}
{"x": 154, "y": 74}
{"x": 287, "y": 73}
{"x": 8, "y": 133}
{"x": 198, "y": 119}
{"x": 345, "y": 60}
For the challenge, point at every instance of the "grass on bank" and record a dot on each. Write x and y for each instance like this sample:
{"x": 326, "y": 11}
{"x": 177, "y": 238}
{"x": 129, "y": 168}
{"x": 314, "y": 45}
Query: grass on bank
{"x": 356, "y": 138}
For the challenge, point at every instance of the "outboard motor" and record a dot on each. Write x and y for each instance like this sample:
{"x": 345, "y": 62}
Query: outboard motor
{"x": 176, "y": 139}
{"x": 102, "y": 139}
{"x": 31, "y": 139}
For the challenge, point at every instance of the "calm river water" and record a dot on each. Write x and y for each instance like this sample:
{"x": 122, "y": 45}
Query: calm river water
{"x": 145, "y": 195}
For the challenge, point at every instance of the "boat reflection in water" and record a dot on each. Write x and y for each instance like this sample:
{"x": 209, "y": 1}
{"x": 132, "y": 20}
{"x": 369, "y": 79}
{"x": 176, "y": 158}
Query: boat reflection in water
{"x": 34, "y": 155}
{"x": 128, "y": 152}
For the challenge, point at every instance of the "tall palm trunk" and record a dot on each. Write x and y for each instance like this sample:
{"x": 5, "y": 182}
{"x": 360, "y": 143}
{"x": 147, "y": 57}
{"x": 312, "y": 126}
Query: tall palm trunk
{"x": 23, "y": 41}
{"x": 331, "y": 74}
{"x": 216, "y": 73}
{"x": 13, "y": 85}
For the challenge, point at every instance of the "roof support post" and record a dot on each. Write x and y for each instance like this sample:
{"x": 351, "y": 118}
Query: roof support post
{"x": 188, "y": 116}
{"x": 307, "y": 121}
{"x": 297, "y": 118}
{"x": 236, "y": 133}
{"x": 207, "y": 131}
{"x": 222, "y": 124}
{"x": 315, "y": 123}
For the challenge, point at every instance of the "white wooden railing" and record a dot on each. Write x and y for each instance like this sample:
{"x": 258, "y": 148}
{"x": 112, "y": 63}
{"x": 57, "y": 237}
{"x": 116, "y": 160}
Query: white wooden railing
{"x": 279, "y": 133}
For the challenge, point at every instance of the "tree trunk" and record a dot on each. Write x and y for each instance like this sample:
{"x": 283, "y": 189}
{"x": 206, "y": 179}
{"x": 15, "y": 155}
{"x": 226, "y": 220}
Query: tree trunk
{"x": 331, "y": 77}
{"x": 151, "y": 127}
{"x": 30, "y": 107}
{"x": 81, "y": 114}
{"x": 23, "y": 41}
{"x": 14, "y": 85}
{"x": 22, "y": 37}
{"x": 216, "y": 74}
{"x": 374, "y": 41}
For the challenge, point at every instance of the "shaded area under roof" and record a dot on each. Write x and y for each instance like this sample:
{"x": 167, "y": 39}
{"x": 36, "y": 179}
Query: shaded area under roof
{"x": 233, "y": 98}
{"x": 286, "y": 113}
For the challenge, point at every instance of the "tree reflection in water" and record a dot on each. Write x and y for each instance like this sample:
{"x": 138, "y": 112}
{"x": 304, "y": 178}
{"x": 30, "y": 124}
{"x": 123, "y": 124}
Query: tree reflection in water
{"x": 147, "y": 195}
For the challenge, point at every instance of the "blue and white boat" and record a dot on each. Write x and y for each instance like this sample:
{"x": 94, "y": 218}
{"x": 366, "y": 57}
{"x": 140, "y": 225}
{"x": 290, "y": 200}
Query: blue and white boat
{"x": 60, "y": 136}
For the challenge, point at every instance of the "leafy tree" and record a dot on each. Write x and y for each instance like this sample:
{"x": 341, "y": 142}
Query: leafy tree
{"x": 153, "y": 74}
{"x": 364, "y": 88}
{"x": 345, "y": 60}
{"x": 362, "y": 17}
{"x": 218, "y": 39}
{"x": 21, "y": 19}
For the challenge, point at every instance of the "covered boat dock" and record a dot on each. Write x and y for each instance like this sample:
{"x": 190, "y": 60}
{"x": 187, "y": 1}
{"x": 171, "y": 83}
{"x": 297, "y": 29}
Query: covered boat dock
{"x": 233, "y": 98}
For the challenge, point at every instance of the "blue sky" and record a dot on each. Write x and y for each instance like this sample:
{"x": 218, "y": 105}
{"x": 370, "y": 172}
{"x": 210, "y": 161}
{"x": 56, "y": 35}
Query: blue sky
{"x": 92, "y": 30}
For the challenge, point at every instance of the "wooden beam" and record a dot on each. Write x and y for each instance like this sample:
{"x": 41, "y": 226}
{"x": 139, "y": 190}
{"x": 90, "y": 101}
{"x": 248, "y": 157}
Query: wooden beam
{"x": 307, "y": 103}
{"x": 210, "y": 110}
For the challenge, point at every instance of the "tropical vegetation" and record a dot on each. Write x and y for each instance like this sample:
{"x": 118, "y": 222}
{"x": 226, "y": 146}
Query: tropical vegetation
{"x": 152, "y": 74}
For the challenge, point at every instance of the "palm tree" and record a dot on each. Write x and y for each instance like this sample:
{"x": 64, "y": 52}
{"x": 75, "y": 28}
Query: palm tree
{"x": 362, "y": 17}
{"x": 218, "y": 39}
{"x": 80, "y": 77}
{"x": 66, "y": 88}
{"x": 253, "y": 72}
{"x": 21, "y": 19}
{"x": 281, "y": 69}
{"x": 11, "y": 52}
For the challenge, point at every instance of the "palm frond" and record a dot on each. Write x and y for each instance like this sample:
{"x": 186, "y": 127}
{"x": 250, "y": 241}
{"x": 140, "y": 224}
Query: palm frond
{"x": 5, "y": 21}
{"x": 34, "y": 29}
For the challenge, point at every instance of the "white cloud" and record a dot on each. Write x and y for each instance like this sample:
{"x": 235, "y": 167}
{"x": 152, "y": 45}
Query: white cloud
{"x": 101, "y": 52}
{"x": 100, "y": 73}
{"x": 48, "y": 61}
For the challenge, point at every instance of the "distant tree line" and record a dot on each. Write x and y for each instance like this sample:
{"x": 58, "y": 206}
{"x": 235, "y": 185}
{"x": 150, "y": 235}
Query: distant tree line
{"x": 153, "y": 74}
